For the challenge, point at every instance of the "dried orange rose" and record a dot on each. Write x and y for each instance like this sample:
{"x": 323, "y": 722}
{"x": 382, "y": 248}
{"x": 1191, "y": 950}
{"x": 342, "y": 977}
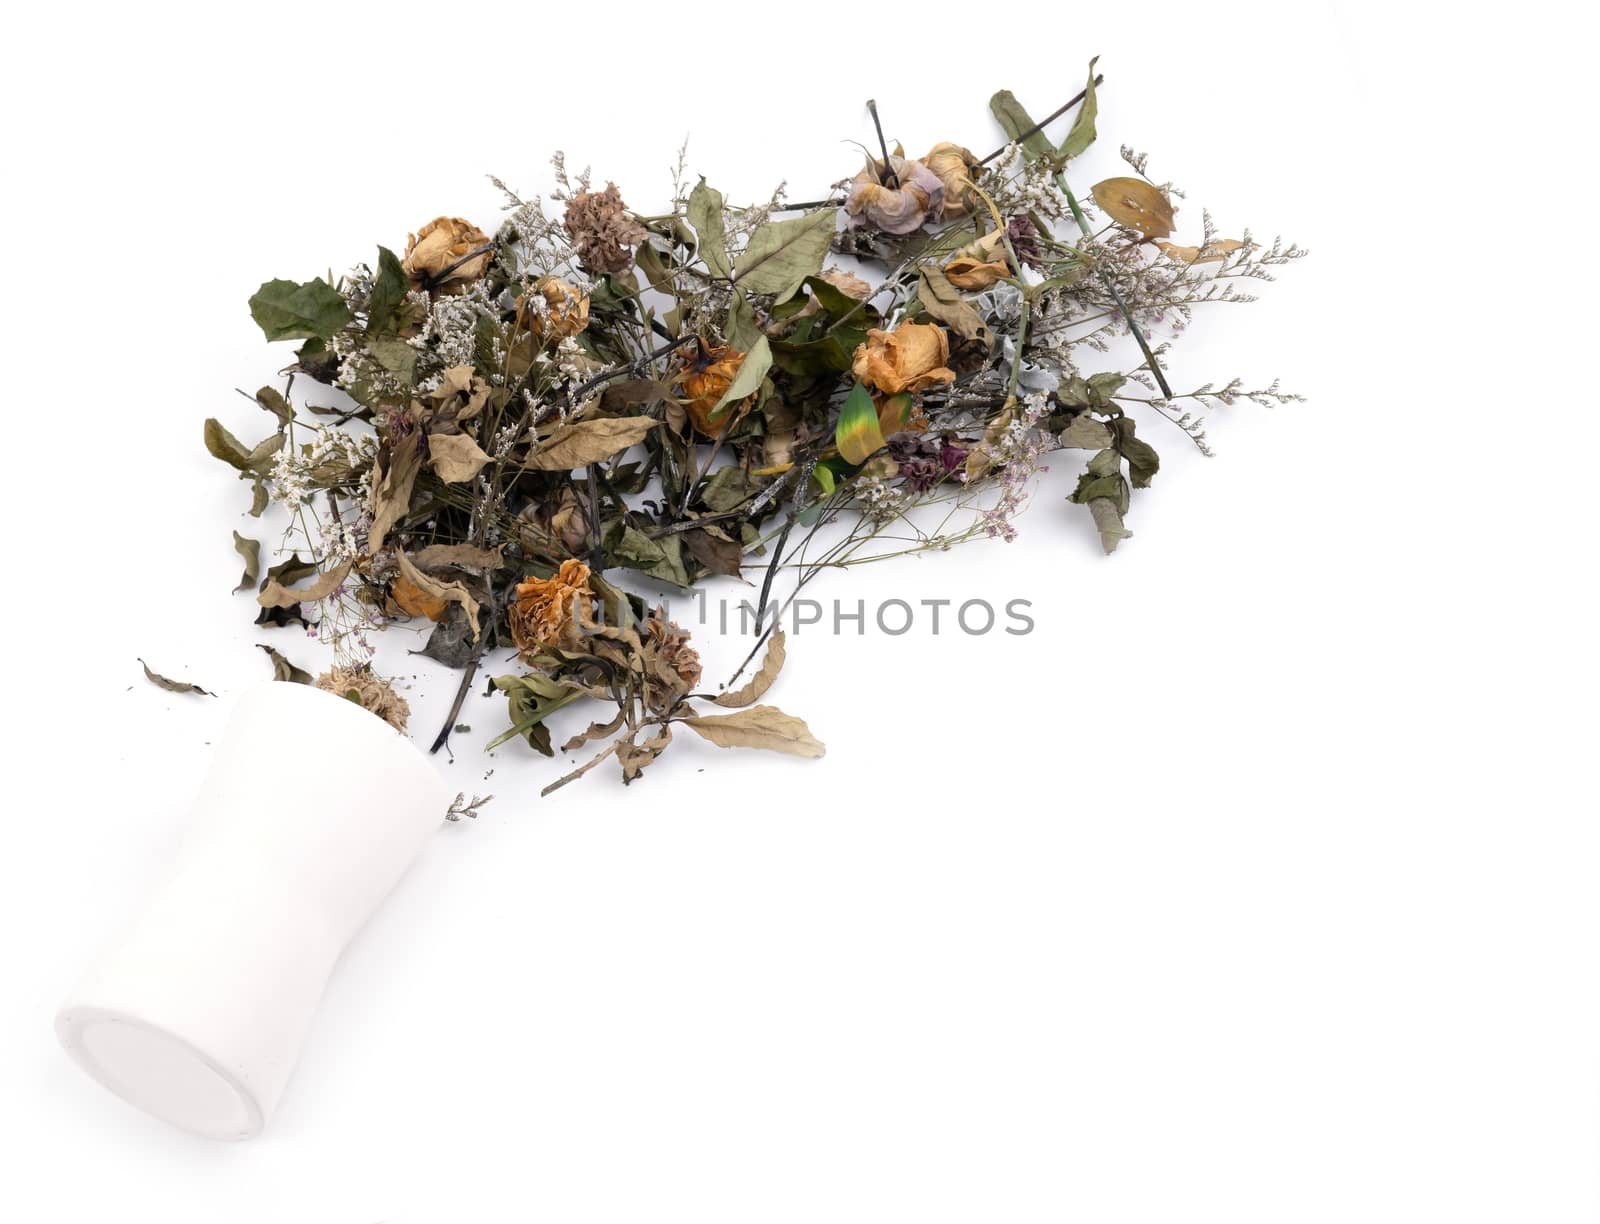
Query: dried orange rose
{"x": 546, "y": 609}
{"x": 433, "y": 251}
{"x": 909, "y": 358}
{"x": 553, "y": 310}
{"x": 955, "y": 166}
{"x": 704, "y": 381}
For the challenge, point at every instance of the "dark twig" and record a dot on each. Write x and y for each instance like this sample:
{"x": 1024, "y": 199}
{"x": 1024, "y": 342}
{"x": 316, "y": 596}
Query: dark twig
{"x": 890, "y": 179}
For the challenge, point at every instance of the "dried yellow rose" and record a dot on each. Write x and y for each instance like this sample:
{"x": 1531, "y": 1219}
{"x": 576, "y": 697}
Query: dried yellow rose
{"x": 433, "y": 252}
{"x": 909, "y": 358}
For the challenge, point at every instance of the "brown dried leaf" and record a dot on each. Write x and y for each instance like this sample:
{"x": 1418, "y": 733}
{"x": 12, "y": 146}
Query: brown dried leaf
{"x": 250, "y": 550}
{"x": 452, "y": 592}
{"x": 1213, "y": 252}
{"x": 943, "y": 301}
{"x": 284, "y": 670}
{"x": 276, "y": 595}
{"x": 1136, "y": 204}
{"x": 437, "y": 556}
{"x": 758, "y": 684}
{"x": 758, "y": 727}
{"x": 580, "y": 443}
{"x": 172, "y": 686}
{"x": 391, "y": 491}
{"x": 457, "y": 458}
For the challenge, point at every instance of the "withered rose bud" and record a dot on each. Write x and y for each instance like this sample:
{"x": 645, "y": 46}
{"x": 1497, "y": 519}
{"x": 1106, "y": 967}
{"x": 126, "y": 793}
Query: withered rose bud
{"x": 910, "y": 358}
{"x": 955, "y": 167}
{"x": 433, "y": 252}
{"x": 895, "y": 199}
{"x": 600, "y": 228}
{"x": 704, "y": 381}
{"x": 553, "y": 310}
{"x": 979, "y": 264}
{"x": 546, "y": 610}
{"x": 1024, "y": 237}
{"x": 673, "y": 666}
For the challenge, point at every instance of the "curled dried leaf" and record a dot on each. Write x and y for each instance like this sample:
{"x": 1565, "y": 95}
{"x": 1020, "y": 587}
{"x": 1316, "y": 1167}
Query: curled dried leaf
{"x": 284, "y": 670}
{"x": 276, "y": 595}
{"x": 173, "y": 686}
{"x": 758, "y": 684}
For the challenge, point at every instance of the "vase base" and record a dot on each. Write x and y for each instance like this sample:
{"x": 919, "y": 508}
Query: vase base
{"x": 158, "y": 1072}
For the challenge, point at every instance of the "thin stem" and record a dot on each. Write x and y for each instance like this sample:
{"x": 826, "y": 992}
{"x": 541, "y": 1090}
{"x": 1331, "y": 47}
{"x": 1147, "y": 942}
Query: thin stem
{"x": 1048, "y": 119}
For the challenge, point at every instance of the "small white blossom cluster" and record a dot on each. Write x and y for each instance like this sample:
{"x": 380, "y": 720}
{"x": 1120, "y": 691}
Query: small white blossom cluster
{"x": 449, "y": 334}
{"x": 880, "y": 502}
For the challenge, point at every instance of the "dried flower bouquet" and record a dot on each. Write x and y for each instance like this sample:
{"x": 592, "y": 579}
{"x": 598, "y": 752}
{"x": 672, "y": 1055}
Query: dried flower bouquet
{"x": 583, "y": 397}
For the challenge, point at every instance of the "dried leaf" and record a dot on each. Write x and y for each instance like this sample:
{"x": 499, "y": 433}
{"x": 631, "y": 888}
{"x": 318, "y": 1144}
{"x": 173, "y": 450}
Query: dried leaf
{"x": 437, "y": 556}
{"x": 717, "y": 553}
{"x": 392, "y": 482}
{"x": 1086, "y": 433}
{"x": 580, "y": 443}
{"x": 747, "y": 381}
{"x": 705, "y": 215}
{"x": 276, "y": 595}
{"x": 758, "y": 684}
{"x": 172, "y": 686}
{"x": 284, "y": 670}
{"x": 758, "y": 727}
{"x": 1136, "y": 204}
{"x": 781, "y": 254}
{"x": 250, "y": 550}
{"x": 274, "y": 403}
{"x": 452, "y": 592}
{"x": 1082, "y": 134}
{"x": 223, "y": 445}
{"x": 1016, "y": 120}
{"x": 635, "y": 757}
{"x": 943, "y": 301}
{"x": 1214, "y": 251}
{"x": 457, "y": 458}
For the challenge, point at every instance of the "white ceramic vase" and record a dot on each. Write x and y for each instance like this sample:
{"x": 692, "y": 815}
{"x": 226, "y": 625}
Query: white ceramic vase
{"x": 198, "y": 1012}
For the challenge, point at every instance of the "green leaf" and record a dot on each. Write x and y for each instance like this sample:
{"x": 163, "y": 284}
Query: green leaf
{"x": 1103, "y": 489}
{"x": 1143, "y": 462}
{"x": 705, "y": 215}
{"x": 748, "y": 380}
{"x": 389, "y": 289}
{"x": 1082, "y": 134}
{"x": 857, "y": 433}
{"x": 285, "y": 310}
{"x": 781, "y": 254}
{"x": 1016, "y": 120}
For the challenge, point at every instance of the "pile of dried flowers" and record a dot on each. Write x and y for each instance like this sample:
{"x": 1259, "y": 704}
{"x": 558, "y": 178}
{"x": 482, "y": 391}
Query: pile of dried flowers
{"x": 529, "y": 413}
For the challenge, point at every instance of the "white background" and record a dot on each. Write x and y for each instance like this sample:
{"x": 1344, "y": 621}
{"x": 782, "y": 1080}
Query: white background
{"x": 1257, "y": 884}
